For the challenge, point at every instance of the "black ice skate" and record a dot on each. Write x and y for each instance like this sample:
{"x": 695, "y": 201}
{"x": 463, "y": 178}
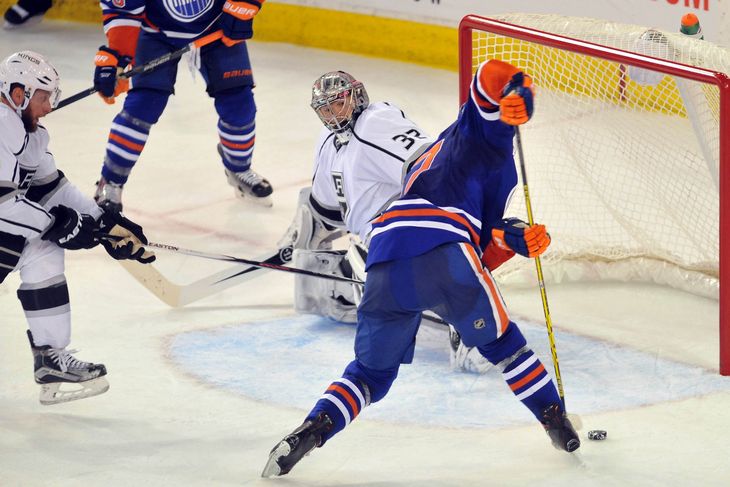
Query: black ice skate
{"x": 57, "y": 367}
{"x": 560, "y": 429}
{"x": 25, "y": 13}
{"x": 249, "y": 185}
{"x": 294, "y": 446}
{"x": 108, "y": 195}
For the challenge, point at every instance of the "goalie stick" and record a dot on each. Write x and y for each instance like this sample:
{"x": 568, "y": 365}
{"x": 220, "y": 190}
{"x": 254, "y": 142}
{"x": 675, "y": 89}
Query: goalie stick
{"x": 149, "y": 66}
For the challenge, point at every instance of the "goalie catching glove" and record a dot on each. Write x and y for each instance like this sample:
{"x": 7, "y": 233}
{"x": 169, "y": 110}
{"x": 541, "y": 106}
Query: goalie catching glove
{"x": 128, "y": 239}
{"x": 514, "y": 234}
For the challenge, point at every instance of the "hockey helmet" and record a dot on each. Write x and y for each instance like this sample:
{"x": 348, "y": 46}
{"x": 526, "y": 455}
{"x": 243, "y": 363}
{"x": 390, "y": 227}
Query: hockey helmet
{"x": 33, "y": 72}
{"x": 338, "y": 99}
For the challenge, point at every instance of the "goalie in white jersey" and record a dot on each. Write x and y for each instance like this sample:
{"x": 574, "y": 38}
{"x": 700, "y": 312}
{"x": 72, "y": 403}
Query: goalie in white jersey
{"x": 359, "y": 161}
{"x": 41, "y": 214}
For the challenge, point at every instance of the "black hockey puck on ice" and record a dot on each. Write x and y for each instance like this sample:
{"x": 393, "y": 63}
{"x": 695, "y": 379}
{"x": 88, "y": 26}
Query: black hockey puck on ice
{"x": 597, "y": 435}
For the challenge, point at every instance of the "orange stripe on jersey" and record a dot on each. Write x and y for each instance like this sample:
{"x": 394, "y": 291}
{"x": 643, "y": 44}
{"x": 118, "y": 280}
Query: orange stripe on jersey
{"x": 492, "y": 290}
{"x": 526, "y": 379}
{"x": 123, "y": 39}
{"x": 494, "y": 76}
{"x": 240, "y": 10}
{"x": 348, "y": 397}
{"x": 482, "y": 103}
{"x": 126, "y": 143}
{"x": 427, "y": 158}
{"x": 232, "y": 145}
{"x": 430, "y": 212}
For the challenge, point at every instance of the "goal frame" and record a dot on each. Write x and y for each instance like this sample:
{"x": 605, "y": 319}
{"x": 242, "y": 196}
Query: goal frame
{"x": 470, "y": 23}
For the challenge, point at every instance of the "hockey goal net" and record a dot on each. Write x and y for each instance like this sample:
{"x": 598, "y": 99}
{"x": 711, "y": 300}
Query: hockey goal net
{"x": 627, "y": 154}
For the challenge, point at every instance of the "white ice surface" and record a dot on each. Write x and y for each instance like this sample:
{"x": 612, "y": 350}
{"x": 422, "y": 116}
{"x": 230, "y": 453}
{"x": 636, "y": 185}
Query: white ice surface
{"x": 199, "y": 395}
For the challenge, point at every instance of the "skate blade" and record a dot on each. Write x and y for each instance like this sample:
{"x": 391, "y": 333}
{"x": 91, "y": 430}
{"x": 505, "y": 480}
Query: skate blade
{"x": 35, "y": 20}
{"x": 266, "y": 201}
{"x": 53, "y": 394}
{"x": 272, "y": 468}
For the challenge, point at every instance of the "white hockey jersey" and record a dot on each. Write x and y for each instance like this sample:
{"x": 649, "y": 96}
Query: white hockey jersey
{"x": 30, "y": 184}
{"x": 363, "y": 176}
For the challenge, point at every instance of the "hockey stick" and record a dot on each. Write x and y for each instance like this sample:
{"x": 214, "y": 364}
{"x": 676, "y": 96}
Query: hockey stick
{"x": 146, "y": 67}
{"x": 538, "y": 265}
{"x": 176, "y": 295}
{"x": 228, "y": 258}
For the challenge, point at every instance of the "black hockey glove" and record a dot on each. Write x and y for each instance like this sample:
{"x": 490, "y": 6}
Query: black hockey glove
{"x": 109, "y": 65}
{"x": 128, "y": 238}
{"x": 70, "y": 229}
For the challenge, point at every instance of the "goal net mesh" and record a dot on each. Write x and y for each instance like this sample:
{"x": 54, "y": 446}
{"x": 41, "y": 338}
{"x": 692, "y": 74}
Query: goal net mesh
{"x": 622, "y": 162}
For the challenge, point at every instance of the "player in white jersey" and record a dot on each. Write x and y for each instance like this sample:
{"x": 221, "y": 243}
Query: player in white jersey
{"x": 359, "y": 161}
{"x": 41, "y": 214}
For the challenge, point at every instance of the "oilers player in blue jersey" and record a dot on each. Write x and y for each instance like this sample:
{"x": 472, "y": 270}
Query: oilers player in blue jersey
{"x": 139, "y": 31}
{"x": 428, "y": 252}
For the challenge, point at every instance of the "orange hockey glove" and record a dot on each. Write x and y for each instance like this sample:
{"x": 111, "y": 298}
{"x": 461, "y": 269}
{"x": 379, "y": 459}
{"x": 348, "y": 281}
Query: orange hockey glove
{"x": 516, "y": 105}
{"x": 514, "y": 234}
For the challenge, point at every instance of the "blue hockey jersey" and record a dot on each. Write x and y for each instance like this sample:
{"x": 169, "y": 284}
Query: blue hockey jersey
{"x": 458, "y": 189}
{"x": 179, "y": 20}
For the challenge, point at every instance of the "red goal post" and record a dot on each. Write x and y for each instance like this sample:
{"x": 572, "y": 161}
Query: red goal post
{"x": 625, "y": 89}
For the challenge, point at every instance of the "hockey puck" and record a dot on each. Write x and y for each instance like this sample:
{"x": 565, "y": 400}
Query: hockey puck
{"x": 597, "y": 435}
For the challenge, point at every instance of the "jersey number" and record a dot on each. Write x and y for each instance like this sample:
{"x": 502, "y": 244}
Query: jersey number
{"x": 409, "y": 138}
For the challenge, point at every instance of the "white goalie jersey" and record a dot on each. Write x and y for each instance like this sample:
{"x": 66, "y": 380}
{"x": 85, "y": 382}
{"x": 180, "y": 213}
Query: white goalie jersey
{"x": 352, "y": 184}
{"x": 361, "y": 177}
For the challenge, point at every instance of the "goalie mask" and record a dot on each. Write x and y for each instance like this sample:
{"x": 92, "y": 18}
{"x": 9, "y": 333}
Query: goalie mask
{"x": 32, "y": 72}
{"x": 338, "y": 99}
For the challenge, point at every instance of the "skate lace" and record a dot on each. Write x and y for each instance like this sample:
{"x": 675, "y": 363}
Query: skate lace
{"x": 65, "y": 359}
{"x": 249, "y": 177}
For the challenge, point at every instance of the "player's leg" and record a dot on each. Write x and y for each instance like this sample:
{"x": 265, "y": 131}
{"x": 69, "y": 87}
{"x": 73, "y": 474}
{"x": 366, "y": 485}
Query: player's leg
{"x": 45, "y": 300}
{"x": 227, "y": 72}
{"x": 385, "y": 338}
{"x": 25, "y": 13}
{"x": 476, "y": 308}
{"x": 143, "y": 105}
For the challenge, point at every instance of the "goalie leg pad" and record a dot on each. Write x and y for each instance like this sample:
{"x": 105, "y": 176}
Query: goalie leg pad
{"x": 357, "y": 255}
{"x": 324, "y": 297}
{"x": 308, "y": 230}
{"x": 466, "y": 359}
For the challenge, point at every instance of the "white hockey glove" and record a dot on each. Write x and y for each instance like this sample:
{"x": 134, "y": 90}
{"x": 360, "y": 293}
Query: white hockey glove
{"x": 130, "y": 239}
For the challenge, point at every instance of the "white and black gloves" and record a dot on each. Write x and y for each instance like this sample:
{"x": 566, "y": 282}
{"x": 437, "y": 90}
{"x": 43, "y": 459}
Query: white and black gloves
{"x": 71, "y": 229}
{"x": 127, "y": 240}
{"x": 122, "y": 238}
